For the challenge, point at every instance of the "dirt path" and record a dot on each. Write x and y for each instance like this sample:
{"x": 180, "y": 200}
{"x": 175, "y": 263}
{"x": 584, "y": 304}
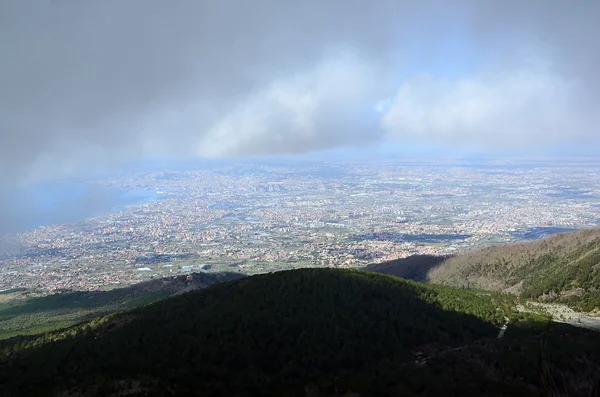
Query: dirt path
{"x": 593, "y": 251}
{"x": 504, "y": 327}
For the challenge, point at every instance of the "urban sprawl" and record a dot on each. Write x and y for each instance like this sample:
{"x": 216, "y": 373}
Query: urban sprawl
{"x": 253, "y": 218}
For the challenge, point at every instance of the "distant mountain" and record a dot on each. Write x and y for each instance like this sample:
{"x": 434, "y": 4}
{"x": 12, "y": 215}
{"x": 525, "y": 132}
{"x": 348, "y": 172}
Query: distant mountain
{"x": 563, "y": 268}
{"x": 22, "y": 312}
{"x": 415, "y": 267}
{"x": 309, "y": 332}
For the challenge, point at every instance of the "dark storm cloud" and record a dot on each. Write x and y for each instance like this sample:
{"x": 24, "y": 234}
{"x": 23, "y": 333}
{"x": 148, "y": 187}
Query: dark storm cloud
{"x": 89, "y": 83}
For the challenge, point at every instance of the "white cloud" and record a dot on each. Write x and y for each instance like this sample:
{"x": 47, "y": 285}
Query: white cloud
{"x": 226, "y": 78}
{"x": 323, "y": 107}
{"x": 489, "y": 110}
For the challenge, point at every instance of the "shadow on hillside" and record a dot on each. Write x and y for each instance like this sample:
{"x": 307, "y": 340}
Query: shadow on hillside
{"x": 276, "y": 332}
{"x": 328, "y": 331}
{"x": 415, "y": 267}
{"x": 90, "y": 300}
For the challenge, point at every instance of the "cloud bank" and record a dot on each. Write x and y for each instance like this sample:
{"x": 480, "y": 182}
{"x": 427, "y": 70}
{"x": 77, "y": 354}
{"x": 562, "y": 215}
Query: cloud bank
{"x": 86, "y": 84}
{"x": 501, "y": 110}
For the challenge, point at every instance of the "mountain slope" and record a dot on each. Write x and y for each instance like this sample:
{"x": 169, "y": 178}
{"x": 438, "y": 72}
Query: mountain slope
{"x": 415, "y": 267}
{"x": 309, "y": 332}
{"x": 27, "y": 315}
{"x": 563, "y": 268}
{"x": 278, "y": 333}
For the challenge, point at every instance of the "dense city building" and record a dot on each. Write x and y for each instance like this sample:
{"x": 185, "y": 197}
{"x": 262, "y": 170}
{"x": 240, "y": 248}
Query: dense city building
{"x": 253, "y": 218}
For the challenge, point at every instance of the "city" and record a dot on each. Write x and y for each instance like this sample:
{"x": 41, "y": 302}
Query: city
{"x": 261, "y": 217}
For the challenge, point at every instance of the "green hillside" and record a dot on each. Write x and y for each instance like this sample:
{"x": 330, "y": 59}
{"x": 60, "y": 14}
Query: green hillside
{"x": 564, "y": 268}
{"x": 23, "y": 314}
{"x": 309, "y": 332}
{"x": 414, "y": 267}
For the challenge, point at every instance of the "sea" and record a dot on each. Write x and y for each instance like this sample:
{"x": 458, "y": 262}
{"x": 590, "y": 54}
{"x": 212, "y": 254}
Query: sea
{"x": 66, "y": 202}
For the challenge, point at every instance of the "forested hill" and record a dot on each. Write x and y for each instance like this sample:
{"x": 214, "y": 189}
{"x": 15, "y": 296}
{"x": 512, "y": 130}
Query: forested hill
{"x": 415, "y": 267}
{"x": 562, "y": 268}
{"x": 309, "y": 332}
{"x": 21, "y": 313}
{"x": 274, "y": 334}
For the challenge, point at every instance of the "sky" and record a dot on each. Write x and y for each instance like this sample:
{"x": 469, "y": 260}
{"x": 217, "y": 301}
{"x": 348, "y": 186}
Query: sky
{"x": 87, "y": 85}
